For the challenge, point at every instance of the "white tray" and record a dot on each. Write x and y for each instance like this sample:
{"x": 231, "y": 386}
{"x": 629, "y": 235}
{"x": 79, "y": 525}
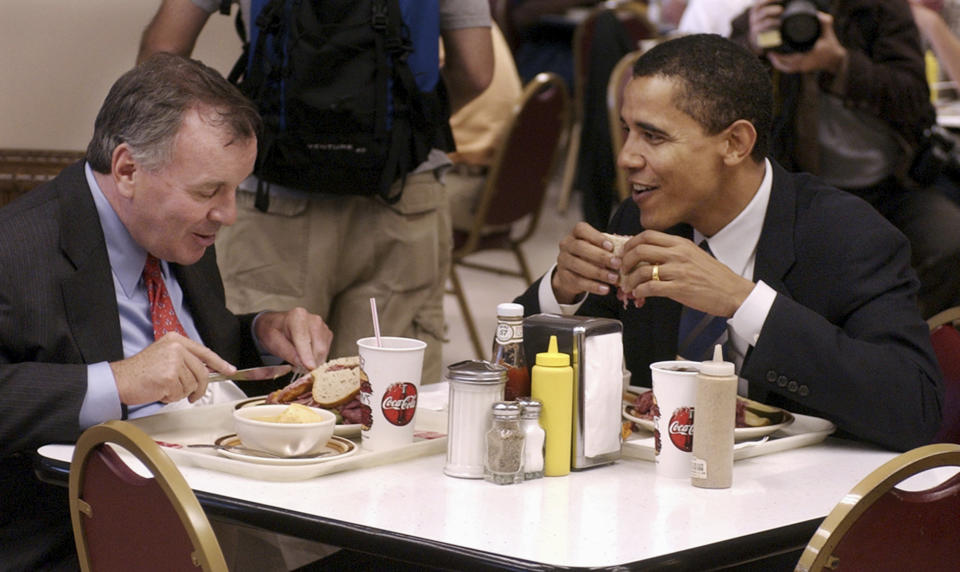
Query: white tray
{"x": 207, "y": 423}
{"x": 805, "y": 430}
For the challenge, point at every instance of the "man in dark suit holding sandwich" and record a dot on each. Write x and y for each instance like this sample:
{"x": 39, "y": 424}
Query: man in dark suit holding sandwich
{"x": 811, "y": 289}
{"x": 111, "y": 304}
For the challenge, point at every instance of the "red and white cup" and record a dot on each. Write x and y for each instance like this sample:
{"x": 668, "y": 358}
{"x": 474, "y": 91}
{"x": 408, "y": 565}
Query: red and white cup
{"x": 674, "y": 395}
{"x": 389, "y": 388}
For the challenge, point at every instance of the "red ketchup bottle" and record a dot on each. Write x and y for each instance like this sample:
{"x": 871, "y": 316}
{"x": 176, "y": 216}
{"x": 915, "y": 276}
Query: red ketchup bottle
{"x": 508, "y": 350}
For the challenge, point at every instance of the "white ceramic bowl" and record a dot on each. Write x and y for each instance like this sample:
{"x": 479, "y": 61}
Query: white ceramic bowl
{"x": 285, "y": 439}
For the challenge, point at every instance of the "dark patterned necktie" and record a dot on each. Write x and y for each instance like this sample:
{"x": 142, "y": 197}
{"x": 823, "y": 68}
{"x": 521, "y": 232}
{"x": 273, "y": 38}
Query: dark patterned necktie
{"x": 162, "y": 315}
{"x": 700, "y": 332}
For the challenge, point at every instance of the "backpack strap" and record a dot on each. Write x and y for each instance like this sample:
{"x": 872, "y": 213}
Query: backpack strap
{"x": 257, "y": 80}
{"x": 388, "y": 22}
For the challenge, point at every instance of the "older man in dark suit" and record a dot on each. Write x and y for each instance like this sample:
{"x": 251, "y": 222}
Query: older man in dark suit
{"x": 811, "y": 288}
{"x": 83, "y": 337}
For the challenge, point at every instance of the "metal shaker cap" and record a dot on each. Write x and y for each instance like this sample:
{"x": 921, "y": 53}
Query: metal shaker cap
{"x": 477, "y": 371}
{"x": 506, "y": 410}
{"x": 529, "y": 407}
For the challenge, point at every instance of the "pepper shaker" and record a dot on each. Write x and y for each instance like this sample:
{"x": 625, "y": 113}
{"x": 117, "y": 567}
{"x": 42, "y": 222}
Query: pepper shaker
{"x": 474, "y": 387}
{"x": 504, "y": 463}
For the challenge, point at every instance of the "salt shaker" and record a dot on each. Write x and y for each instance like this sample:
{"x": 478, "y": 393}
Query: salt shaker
{"x": 474, "y": 387}
{"x": 533, "y": 438}
{"x": 504, "y": 462}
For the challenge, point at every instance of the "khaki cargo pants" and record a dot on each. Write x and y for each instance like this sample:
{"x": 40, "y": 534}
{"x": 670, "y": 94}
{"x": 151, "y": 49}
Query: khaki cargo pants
{"x": 331, "y": 254}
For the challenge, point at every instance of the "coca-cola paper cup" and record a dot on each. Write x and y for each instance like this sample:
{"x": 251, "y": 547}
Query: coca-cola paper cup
{"x": 674, "y": 393}
{"x": 389, "y": 386}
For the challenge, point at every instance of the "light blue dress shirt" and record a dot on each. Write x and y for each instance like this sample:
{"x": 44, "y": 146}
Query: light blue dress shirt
{"x": 127, "y": 258}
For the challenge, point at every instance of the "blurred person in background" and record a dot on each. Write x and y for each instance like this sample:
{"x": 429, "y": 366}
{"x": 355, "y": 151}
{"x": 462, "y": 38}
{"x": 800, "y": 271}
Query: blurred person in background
{"x": 854, "y": 108}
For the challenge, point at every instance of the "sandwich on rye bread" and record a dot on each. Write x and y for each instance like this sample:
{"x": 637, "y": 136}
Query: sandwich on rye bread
{"x": 334, "y": 385}
{"x": 619, "y": 240}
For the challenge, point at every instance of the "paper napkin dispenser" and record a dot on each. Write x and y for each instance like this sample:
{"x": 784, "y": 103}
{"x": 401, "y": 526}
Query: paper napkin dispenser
{"x": 595, "y": 346}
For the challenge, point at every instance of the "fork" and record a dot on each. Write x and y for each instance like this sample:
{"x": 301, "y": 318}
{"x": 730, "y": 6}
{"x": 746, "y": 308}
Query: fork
{"x": 298, "y": 372}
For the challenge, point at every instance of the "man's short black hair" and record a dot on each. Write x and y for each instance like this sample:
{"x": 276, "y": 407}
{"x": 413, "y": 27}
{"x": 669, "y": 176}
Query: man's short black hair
{"x": 720, "y": 82}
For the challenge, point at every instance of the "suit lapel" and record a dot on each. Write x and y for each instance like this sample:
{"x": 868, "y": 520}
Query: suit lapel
{"x": 88, "y": 295}
{"x": 775, "y": 250}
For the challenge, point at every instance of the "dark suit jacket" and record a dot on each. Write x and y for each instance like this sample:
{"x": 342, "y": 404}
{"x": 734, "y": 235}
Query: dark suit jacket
{"x": 58, "y": 312}
{"x": 843, "y": 340}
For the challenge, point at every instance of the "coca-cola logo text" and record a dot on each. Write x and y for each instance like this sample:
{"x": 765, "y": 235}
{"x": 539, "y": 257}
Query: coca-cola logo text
{"x": 399, "y": 403}
{"x": 680, "y": 429}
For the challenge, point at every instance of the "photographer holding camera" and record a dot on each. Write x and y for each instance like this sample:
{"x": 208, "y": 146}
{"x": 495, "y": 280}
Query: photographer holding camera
{"x": 853, "y": 107}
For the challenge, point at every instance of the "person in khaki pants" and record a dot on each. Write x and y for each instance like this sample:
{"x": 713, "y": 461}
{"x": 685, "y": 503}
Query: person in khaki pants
{"x": 331, "y": 254}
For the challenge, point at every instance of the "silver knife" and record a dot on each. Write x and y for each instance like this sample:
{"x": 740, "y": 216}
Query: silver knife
{"x": 253, "y": 373}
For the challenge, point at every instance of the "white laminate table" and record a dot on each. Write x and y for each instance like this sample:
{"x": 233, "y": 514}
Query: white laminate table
{"x": 605, "y": 517}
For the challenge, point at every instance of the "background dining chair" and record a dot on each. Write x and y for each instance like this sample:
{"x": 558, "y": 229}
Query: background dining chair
{"x": 946, "y": 345}
{"x": 125, "y": 521}
{"x": 586, "y": 69}
{"x": 516, "y": 185}
{"x": 880, "y": 527}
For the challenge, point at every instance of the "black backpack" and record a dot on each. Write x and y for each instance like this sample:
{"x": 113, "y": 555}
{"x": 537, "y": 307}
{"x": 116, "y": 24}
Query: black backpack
{"x": 343, "y": 111}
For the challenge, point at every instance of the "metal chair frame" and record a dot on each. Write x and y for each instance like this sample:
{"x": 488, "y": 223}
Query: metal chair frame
{"x": 480, "y": 238}
{"x": 865, "y": 509}
{"x": 94, "y": 447}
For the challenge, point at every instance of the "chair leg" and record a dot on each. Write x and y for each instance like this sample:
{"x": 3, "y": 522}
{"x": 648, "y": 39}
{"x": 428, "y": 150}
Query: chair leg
{"x": 465, "y": 310}
{"x": 522, "y": 262}
{"x": 569, "y": 169}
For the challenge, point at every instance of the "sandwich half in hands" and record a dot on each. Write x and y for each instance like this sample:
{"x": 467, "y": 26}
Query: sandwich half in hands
{"x": 619, "y": 240}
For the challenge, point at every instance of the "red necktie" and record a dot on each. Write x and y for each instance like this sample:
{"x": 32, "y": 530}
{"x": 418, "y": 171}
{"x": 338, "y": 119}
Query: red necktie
{"x": 161, "y": 308}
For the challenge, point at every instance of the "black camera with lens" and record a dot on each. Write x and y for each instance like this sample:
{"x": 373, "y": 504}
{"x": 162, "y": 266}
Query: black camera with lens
{"x": 937, "y": 155}
{"x": 799, "y": 27}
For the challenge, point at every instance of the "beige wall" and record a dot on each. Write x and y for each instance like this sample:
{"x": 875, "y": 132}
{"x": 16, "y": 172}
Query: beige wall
{"x": 58, "y": 58}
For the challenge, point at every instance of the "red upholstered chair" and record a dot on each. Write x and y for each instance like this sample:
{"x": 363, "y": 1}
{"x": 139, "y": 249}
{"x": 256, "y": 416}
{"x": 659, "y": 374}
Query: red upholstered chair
{"x": 880, "y": 527}
{"x": 125, "y": 521}
{"x": 946, "y": 344}
{"x": 516, "y": 186}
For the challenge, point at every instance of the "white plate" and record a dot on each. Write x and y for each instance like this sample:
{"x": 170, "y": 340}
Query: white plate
{"x": 739, "y": 434}
{"x": 343, "y": 429}
{"x": 339, "y": 446}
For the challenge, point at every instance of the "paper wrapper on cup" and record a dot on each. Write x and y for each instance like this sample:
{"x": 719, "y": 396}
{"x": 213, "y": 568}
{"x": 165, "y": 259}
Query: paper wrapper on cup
{"x": 674, "y": 396}
{"x": 389, "y": 386}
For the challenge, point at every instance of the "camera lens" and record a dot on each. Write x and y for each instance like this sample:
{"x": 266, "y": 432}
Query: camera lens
{"x": 799, "y": 25}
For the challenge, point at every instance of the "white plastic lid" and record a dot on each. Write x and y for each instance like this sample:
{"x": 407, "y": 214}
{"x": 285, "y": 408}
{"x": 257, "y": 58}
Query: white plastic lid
{"x": 717, "y": 366}
{"x": 510, "y": 310}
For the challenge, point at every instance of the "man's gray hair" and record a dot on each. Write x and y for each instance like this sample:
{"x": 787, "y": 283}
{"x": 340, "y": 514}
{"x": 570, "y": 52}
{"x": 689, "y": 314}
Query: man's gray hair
{"x": 146, "y": 106}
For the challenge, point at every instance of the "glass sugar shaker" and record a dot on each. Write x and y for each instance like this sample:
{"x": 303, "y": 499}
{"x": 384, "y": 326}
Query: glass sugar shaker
{"x": 533, "y": 438}
{"x": 504, "y": 462}
{"x": 474, "y": 387}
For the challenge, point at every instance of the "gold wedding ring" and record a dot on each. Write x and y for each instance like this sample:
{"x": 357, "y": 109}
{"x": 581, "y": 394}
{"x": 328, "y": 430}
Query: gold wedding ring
{"x": 656, "y": 273}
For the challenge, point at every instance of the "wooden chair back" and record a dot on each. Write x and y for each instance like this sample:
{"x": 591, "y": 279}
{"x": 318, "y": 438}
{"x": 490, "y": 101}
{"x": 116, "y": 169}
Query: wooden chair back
{"x": 23, "y": 169}
{"x": 638, "y": 28}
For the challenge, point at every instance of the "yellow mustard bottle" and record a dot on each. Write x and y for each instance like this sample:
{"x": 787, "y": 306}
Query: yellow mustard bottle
{"x": 552, "y": 385}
